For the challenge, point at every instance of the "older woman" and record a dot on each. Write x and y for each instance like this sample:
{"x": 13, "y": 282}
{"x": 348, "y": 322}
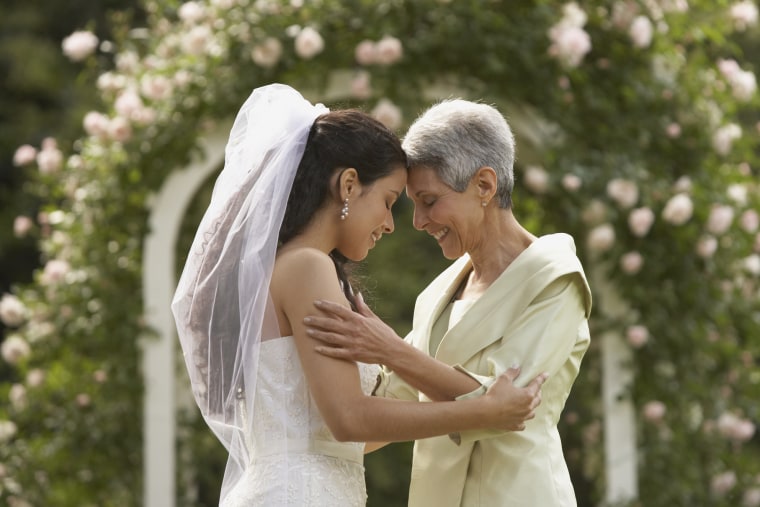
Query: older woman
{"x": 510, "y": 298}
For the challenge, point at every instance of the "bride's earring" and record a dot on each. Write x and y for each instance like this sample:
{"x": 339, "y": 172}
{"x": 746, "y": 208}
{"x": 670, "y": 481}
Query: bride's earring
{"x": 344, "y": 210}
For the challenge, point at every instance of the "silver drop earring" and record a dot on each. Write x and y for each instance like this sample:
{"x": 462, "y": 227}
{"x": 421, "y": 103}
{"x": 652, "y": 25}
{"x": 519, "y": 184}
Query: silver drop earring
{"x": 344, "y": 210}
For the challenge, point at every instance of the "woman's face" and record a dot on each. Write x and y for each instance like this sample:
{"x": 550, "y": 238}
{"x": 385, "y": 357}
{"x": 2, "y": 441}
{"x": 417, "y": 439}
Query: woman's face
{"x": 452, "y": 218}
{"x": 369, "y": 215}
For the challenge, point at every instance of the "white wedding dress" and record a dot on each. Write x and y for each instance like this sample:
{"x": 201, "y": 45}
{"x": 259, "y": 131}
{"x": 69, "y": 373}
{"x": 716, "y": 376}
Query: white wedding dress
{"x": 295, "y": 459}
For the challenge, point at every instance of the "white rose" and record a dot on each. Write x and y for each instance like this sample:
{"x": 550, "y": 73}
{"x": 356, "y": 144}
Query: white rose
{"x": 156, "y": 87}
{"x": 54, "y": 271}
{"x": 360, "y": 85}
{"x": 79, "y": 45}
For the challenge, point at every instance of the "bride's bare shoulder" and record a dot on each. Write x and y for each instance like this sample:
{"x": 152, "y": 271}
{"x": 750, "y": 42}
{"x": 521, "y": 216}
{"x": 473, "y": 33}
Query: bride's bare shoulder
{"x": 301, "y": 266}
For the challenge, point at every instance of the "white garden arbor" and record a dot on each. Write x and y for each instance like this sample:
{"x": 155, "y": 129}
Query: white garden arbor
{"x": 163, "y": 394}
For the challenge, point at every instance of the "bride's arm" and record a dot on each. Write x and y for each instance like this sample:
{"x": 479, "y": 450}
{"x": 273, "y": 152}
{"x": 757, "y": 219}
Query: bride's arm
{"x": 364, "y": 337}
{"x": 351, "y": 415}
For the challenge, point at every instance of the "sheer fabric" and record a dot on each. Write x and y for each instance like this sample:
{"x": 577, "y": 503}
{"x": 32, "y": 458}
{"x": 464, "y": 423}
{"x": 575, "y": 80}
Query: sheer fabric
{"x": 221, "y": 306}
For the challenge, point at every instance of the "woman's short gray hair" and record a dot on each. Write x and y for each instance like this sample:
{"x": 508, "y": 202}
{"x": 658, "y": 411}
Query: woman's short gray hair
{"x": 456, "y": 138}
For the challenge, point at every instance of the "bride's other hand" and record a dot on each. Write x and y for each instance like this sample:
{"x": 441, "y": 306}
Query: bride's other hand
{"x": 515, "y": 405}
{"x": 356, "y": 336}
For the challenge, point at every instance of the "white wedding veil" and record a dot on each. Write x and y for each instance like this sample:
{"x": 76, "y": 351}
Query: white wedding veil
{"x": 223, "y": 293}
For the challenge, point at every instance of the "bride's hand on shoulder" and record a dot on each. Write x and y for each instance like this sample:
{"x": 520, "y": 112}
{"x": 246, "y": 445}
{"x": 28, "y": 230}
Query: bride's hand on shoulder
{"x": 513, "y": 405}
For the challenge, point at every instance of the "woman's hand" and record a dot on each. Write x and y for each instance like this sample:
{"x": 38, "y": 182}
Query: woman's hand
{"x": 514, "y": 405}
{"x": 356, "y": 336}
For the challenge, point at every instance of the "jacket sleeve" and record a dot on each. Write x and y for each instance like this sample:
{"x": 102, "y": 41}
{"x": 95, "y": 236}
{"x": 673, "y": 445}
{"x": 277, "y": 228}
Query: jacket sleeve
{"x": 541, "y": 341}
{"x": 391, "y": 385}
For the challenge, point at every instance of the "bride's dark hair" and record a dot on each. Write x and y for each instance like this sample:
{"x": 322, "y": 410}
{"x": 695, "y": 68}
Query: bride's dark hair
{"x": 338, "y": 140}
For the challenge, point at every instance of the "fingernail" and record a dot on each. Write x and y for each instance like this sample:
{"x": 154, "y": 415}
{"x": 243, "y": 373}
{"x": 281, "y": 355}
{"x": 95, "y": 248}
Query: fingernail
{"x": 318, "y": 303}
{"x": 309, "y": 331}
{"x": 307, "y": 320}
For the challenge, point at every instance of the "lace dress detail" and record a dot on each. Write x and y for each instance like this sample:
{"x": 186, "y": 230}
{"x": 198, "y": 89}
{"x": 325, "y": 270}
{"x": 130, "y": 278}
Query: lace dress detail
{"x": 295, "y": 459}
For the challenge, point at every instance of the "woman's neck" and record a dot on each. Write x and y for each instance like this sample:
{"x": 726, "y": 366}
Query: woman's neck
{"x": 503, "y": 240}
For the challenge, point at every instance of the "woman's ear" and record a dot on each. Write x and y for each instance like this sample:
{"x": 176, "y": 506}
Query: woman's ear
{"x": 348, "y": 183}
{"x": 487, "y": 183}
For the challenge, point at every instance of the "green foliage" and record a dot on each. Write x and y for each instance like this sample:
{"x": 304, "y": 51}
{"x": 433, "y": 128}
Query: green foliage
{"x": 623, "y": 130}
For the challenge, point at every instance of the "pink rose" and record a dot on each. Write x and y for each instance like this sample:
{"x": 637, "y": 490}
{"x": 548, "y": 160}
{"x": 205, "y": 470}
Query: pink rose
{"x": 631, "y": 263}
{"x": 735, "y": 428}
{"x": 720, "y": 219}
{"x": 12, "y": 310}
{"x": 743, "y": 14}
{"x": 641, "y": 31}
{"x": 724, "y": 137}
{"x": 678, "y": 209}
{"x": 35, "y": 377}
{"x": 365, "y": 53}
{"x": 571, "y": 182}
{"x": 54, "y": 271}
{"x": 360, "y": 85}
{"x": 723, "y": 483}
{"x": 309, "y": 43}
{"x": 22, "y": 225}
{"x": 624, "y": 192}
{"x": 673, "y": 130}
{"x": 654, "y": 411}
{"x": 749, "y": 220}
{"x": 388, "y": 50}
{"x": 388, "y": 113}
{"x": 96, "y": 124}
{"x": 569, "y": 44}
{"x": 24, "y": 155}
{"x": 637, "y": 336}
{"x": 127, "y": 103}
{"x": 119, "y": 129}
{"x": 79, "y": 45}
{"x": 197, "y": 40}
{"x": 50, "y": 158}
{"x": 14, "y": 349}
{"x": 640, "y": 220}
{"x": 601, "y": 238}
{"x": 267, "y": 53}
{"x": 706, "y": 246}
{"x": 536, "y": 179}
{"x": 156, "y": 87}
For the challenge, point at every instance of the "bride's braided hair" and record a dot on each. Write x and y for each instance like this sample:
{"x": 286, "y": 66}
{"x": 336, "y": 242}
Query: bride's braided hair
{"x": 338, "y": 140}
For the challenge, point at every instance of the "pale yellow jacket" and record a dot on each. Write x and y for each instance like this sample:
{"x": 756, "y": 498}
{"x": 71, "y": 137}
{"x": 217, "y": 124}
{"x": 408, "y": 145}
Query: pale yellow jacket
{"x": 534, "y": 315}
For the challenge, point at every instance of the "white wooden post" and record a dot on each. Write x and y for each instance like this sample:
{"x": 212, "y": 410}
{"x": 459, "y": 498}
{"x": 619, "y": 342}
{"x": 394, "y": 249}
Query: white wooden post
{"x": 159, "y": 370}
{"x": 620, "y": 457}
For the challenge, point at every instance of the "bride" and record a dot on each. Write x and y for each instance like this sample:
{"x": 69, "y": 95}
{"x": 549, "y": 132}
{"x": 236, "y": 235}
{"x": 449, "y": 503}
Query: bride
{"x": 302, "y": 191}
